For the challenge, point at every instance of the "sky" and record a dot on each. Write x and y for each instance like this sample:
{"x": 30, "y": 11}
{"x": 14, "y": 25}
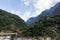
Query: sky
{"x": 27, "y": 8}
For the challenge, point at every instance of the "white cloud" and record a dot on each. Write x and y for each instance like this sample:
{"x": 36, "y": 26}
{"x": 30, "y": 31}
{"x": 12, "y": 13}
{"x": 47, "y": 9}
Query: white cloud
{"x": 27, "y": 2}
{"x": 56, "y": 1}
{"x": 41, "y": 5}
{"x": 26, "y": 16}
{"x": 16, "y": 12}
{"x": 36, "y": 13}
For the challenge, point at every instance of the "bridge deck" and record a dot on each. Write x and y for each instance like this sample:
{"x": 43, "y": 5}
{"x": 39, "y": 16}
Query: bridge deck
{"x": 8, "y": 34}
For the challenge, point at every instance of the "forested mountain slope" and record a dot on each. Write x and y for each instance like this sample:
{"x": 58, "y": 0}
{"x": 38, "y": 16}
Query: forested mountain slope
{"x": 10, "y": 21}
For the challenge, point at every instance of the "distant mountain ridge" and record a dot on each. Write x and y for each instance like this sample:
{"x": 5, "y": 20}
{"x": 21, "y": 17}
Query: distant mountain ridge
{"x": 50, "y": 12}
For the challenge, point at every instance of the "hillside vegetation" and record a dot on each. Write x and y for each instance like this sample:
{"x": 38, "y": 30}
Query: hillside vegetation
{"x": 46, "y": 26}
{"x": 10, "y": 22}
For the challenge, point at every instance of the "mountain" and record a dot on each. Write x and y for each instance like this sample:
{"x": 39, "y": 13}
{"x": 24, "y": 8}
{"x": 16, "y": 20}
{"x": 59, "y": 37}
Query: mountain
{"x": 50, "y": 12}
{"x": 10, "y": 21}
{"x": 45, "y": 25}
{"x": 31, "y": 20}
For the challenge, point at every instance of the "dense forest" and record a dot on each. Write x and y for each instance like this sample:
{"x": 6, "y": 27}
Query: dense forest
{"x": 47, "y": 26}
{"x": 10, "y": 22}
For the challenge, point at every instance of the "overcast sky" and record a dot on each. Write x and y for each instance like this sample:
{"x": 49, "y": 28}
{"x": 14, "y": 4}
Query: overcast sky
{"x": 27, "y": 8}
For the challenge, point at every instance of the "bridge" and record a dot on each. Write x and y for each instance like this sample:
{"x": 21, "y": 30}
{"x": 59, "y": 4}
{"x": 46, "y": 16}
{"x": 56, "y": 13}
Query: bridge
{"x": 7, "y": 36}
{"x": 2, "y": 34}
